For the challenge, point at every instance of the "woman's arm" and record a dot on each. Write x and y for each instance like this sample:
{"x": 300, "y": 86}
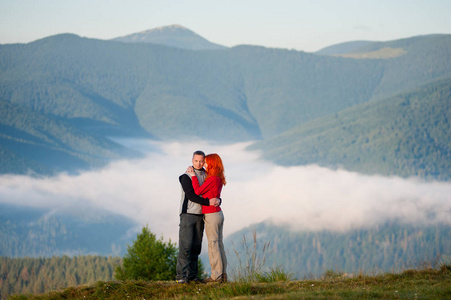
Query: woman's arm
{"x": 202, "y": 189}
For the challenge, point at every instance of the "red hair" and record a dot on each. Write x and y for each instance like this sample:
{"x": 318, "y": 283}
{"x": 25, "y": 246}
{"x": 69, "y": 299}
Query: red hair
{"x": 215, "y": 167}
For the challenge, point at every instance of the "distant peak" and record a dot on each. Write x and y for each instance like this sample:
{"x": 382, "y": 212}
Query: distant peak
{"x": 169, "y": 27}
{"x": 162, "y": 29}
{"x": 172, "y": 35}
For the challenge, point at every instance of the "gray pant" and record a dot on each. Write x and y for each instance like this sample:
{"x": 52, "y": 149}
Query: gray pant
{"x": 214, "y": 224}
{"x": 190, "y": 244}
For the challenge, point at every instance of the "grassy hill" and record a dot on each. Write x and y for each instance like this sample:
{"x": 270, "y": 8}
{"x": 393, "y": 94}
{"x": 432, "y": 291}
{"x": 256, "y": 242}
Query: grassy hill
{"x": 342, "y": 48}
{"x": 416, "y": 67}
{"x": 415, "y": 61}
{"x": 421, "y": 284}
{"x": 406, "y": 135}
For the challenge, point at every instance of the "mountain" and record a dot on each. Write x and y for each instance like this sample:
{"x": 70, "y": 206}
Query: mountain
{"x": 39, "y": 232}
{"x": 406, "y": 135}
{"x": 31, "y": 142}
{"x": 101, "y": 89}
{"x": 387, "y": 248}
{"x": 172, "y": 36}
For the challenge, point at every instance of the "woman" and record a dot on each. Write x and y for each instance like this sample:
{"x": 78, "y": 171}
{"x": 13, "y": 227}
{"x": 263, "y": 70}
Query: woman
{"x": 213, "y": 216}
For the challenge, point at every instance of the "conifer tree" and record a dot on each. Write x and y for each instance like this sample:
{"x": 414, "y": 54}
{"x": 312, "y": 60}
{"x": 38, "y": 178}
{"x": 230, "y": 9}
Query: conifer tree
{"x": 148, "y": 258}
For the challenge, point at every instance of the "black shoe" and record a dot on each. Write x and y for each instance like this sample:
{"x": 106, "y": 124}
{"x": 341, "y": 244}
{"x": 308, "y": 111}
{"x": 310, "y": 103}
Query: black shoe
{"x": 197, "y": 280}
{"x": 224, "y": 278}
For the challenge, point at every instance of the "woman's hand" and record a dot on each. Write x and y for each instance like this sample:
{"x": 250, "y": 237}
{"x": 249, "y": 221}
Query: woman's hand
{"x": 214, "y": 202}
{"x": 190, "y": 171}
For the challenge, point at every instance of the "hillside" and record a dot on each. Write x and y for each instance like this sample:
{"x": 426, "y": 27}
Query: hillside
{"x": 39, "y": 232}
{"x": 386, "y": 248}
{"x": 173, "y": 36}
{"x": 37, "y": 143}
{"x": 342, "y": 48}
{"x": 406, "y": 135}
{"x": 103, "y": 89}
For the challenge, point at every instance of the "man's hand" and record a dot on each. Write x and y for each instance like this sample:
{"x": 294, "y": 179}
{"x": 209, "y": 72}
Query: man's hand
{"x": 190, "y": 171}
{"x": 214, "y": 202}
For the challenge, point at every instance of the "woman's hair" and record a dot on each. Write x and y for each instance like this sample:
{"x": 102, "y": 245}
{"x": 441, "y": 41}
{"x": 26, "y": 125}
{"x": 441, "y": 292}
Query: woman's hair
{"x": 215, "y": 167}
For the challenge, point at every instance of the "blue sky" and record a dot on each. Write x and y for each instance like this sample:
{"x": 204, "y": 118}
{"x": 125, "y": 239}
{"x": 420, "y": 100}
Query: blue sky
{"x": 307, "y": 25}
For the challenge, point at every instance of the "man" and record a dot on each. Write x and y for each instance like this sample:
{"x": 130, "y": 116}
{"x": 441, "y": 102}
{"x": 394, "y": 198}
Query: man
{"x": 191, "y": 222}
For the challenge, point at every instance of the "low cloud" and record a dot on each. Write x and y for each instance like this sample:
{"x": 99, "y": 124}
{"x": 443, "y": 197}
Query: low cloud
{"x": 304, "y": 197}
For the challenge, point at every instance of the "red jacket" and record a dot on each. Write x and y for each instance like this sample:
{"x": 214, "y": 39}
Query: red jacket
{"x": 211, "y": 188}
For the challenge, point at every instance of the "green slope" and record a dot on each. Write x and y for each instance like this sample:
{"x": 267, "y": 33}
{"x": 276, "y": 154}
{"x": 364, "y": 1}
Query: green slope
{"x": 417, "y": 66}
{"x": 46, "y": 232}
{"x": 415, "y": 63}
{"x": 107, "y": 88}
{"x": 237, "y": 94}
{"x": 85, "y": 81}
{"x": 32, "y": 142}
{"x": 407, "y": 135}
{"x": 287, "y": 88}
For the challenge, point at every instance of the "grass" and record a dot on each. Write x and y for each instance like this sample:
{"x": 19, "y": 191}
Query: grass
{"x": 410, "y": 284}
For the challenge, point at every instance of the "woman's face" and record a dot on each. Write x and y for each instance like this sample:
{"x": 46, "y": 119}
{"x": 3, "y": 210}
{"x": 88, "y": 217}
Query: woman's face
{"x": 205, "y": 166}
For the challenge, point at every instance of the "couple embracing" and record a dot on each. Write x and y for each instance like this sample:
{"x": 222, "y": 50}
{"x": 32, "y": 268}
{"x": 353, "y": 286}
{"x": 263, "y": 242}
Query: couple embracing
{"x": 200, "y": 208}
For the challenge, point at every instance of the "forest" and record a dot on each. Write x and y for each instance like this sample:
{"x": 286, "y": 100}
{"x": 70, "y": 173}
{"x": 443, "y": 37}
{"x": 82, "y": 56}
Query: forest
{"x": 64, "y": 96}
{"x": 391, "y": 247}
{"x": 38, "y": 275}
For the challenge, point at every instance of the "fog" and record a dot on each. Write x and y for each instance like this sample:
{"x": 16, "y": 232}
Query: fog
{"x": 304, "y": 197}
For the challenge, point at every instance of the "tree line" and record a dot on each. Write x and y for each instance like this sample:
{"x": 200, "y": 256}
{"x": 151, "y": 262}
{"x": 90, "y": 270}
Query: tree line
{"x": 39, "y": 275}
{"x": 390, "y": 247}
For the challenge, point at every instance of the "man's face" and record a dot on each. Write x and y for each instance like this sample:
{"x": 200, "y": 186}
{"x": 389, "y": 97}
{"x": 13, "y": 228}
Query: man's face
{"x": 198, "y": 161}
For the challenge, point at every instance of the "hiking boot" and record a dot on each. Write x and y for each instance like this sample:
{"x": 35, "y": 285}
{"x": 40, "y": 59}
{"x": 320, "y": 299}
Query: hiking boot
{"x": 220, "y": 279}
{"x": 211, "y": 280}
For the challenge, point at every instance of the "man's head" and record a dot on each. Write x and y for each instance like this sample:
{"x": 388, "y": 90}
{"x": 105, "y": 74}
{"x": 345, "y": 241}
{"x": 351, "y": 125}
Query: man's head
{"x": 198, "y": 159}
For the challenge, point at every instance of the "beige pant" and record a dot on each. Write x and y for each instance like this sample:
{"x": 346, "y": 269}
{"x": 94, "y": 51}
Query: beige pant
{"x": 214, "y": 224}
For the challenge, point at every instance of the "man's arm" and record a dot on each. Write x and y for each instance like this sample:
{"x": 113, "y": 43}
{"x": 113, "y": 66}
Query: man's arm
{"x": 187, "y": 187}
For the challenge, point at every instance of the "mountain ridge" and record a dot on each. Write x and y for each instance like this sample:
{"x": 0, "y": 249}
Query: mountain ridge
{"x": 342, "y": 48}
{"x": 108, "y": 88}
